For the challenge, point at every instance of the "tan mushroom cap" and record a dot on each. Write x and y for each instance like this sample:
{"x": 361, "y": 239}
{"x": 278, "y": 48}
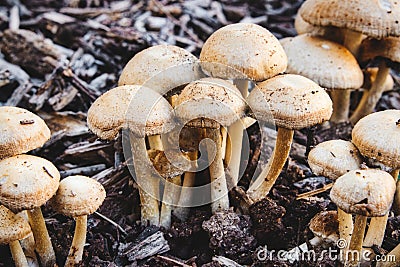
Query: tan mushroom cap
{"x": 12, "y": 227}
{"x": 141, "y": 109}
{"x": 212, "y": 99}
{"x": 27, "y": 182}
{"x": 334, "y": 158}
{"x": 370, "y": 76}
{"x": 376, "y": 18}
{"x": 170, "y": 165}
{"x": 161, "y": 68}
{"x": 377, "y": 136}
{"x": 294, "y": 102}
{"x": 387, "y": 47}
{"x": 327, "y": 63}
{"x": 78, "y": 195}
{"x": 20, "y": 131}
{"x": 325, "y": 225}
{"x": 251, "y": 50}
{"x": 364, "y": 192}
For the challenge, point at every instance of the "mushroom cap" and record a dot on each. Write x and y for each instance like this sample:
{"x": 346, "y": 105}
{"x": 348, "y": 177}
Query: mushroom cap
{"x": 330, "y": 33}
{"x": 365, "y": 192}
{"x": 250, "y": 50}
{"x": 20, "y": 131}
{"x": 170, "y": 165}
{"x": 334, "y": 158}
{"x": 141, "y": 109}
{"x": 211, "y": 99}
{"x": 329, "y": 64}
{"x": 294, "y": 101}
{"x": 78, "y": 195}
{"x": 377, "y": 136}
{"x": 370, "y": 76}
{"x": 325, "y": 225}
{"x": 27, "y": 182}
{"x": 161, "y": 68}
{"x": 12, "y": 227}
{"x": 387, "y": 47}
{"x": 375, "y": 18}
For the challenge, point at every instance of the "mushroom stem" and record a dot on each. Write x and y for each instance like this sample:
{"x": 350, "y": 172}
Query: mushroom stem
{"x": 148, "y": 185}
{"x": 392, "y": 258}
{"x": 18, "y": 254}
{"x": 78, "y": 242}
{"x": 345, "y": 227}
{"x": 396, "y": 202}
{"x": 356, "y": 241}
{"x": 155, "y": 142}
{"x": 219, "y": 189}
{"x": 352, "y": 41}
{"x": 341, "y": 105}
{"x": 171, "y": 191}
{"x": 369, "y": 100}
{"x": 28, "y": 244}
{"x": 268, "y": 176}
{"x": 43, "y": 246}
{"x": 224, "y": 134}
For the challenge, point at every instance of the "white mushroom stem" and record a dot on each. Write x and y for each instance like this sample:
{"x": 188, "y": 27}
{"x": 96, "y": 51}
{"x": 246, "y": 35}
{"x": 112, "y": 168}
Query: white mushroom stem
{"x": 148, "y": 185}
{"x": 18, "y": 254}
{"x": 267, "y": 178}
{"x": 369, "y": 100}
{"x": 341, "y": 105}
{"x": 356, "y": 240}
{"x": 28, "y": 244}
{"x": 78, "y": 242}
{"x": 219, "y": 189}
{"x": 155, "y": 142}
{"x": 392, "y": 258}
{"x": 43, "y": 245}
{"x": 345, "y": 226}
{"x": 224, "y": 134}
{"x": 171, "y": 193}
{"x": 352, "y": 41}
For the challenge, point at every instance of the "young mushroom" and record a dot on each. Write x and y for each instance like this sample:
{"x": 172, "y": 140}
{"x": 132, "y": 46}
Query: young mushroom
{"x": 28, "y": 182}
{"x": 366, "y": 193}
{"x": 78, "y": 196}
{"x": 12, "y": 229}
{"x": 291, "y": 102}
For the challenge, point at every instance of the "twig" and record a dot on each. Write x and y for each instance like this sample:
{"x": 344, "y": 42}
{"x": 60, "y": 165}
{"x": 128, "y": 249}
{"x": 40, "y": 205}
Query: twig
{"x": 173, "y": 261}
{"x": 111, "y": 222}
{"x": 314, "y": 192}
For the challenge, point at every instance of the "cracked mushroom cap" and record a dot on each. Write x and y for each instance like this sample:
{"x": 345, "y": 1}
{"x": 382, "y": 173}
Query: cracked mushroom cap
{"x": 328, "y": 63}
{"x": 334, "y": 158}
{"x": 161, "y": 68}
{"x": 20, "y": 131}
{"x": 290, "y": 101}
{"x": 27, "y": 182}
{"x": 140, "y": 109}
{"x": 250, "y": 50}
{"x": 325, "y": 225}
{"x": 212, "y": 99}
{"x": 376, "y": 18}
{"x": 78, "y": 195}
{"x": 386, "y": 47}
{"x": 364, "y": 192}
{"x": 12, "y": 227}
{"x": 377, "y": 136}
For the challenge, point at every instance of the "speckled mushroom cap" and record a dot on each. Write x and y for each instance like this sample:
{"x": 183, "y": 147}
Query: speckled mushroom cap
{"x": 375, "y": 18}
{"x": 364, "y": 192}
{"x": 377, "y": 136}
{"x": 170, "y": 165}
{"x": 20, "y": 131}
{"x": 325, "y": 225}
{"x": 387, "y": 47}
{"x": 334, "y": 158}
{"x": 212, "y": 99}
{"x": 78, "y": 195}
{"x": 143, "y": 110}
{"x": 12, "y": 227}
{"x": 250, "y": 49}
{"x": 27, "y": 182}
{"x": 294, "y": 101}
{"x": 370, "y": 76}
{"x": 327, "y": 63}
{"x": 161, "y": 68}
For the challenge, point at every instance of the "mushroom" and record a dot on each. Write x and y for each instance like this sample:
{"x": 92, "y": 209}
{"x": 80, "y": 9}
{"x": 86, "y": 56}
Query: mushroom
{"x": 291, "y": 102}
{"x": 28, "y": 182}
{"x": 210, "y": 103}
{"x": 242, "y": 52}
{"x": 20, "y": 131}
{"x": 384, "y": 49}
{"x": 366, "y": 193}
{"x": 383, "y": 147}
{"x": 329, "y": 64}
{"x": 145, "y": 113}
{"x": 370, "y": 75}
{"x": 78, "y": 196}
{"x": 12, "y": 229}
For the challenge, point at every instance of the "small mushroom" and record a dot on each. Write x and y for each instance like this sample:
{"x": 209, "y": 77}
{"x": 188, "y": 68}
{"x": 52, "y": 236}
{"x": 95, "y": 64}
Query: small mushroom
{"x": 78, "y": 196}
{"x": 12, "y": 229}
{"x": 291, "y": 102}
